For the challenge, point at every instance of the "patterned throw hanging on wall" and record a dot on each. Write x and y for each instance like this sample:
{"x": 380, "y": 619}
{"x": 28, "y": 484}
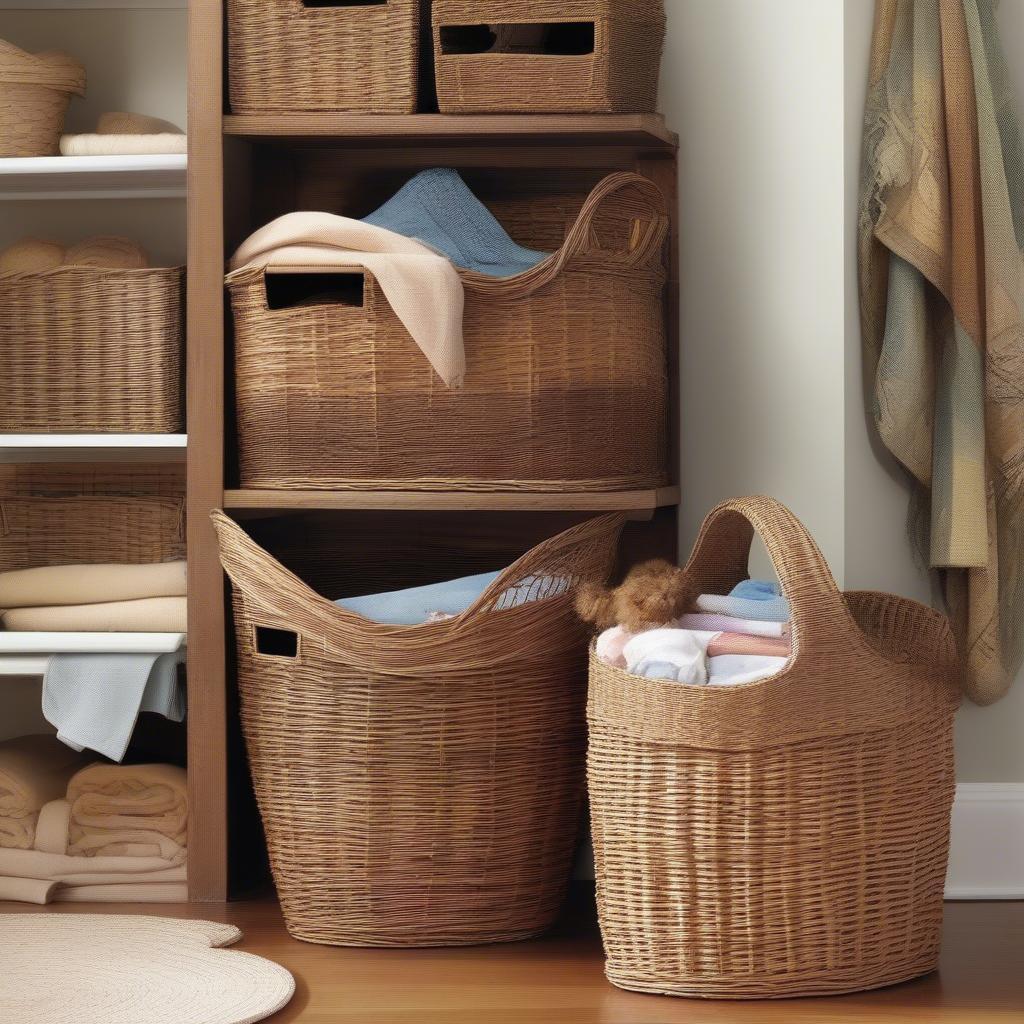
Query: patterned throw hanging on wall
{"x": 942, "y": 302}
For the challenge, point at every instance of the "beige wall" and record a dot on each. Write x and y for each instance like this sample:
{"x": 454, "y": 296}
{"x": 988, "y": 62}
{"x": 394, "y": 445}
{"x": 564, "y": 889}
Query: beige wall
{"x": 768, "y": 98}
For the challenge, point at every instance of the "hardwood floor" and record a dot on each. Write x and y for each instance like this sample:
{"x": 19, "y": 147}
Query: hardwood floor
{"x": 559, "y": 980}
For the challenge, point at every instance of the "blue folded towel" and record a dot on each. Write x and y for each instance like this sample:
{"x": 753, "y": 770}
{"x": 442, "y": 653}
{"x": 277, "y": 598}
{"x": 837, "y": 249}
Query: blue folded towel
{"x": 761, "y": 600}
{"x": 438, "y": 209}
{"x": 417, "y": 605}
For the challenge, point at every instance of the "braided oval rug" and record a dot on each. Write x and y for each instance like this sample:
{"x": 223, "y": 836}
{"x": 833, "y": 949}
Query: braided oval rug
{"x": 99, "y": 969}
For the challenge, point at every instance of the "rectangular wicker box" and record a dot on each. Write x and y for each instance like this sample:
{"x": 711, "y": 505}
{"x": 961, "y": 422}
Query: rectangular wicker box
{"x": 287, "y": 55}
{"x": 566, "y": 383}
{"x": 89, "y": 350}
{"x": 548, "y": 56}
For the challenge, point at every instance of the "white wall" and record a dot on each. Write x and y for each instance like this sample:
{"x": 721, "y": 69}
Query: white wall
{"x": 768, "y": 97}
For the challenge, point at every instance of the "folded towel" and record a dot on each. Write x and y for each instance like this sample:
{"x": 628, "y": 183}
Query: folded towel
{"x": 88, "y": 870}
{"x": 53, "y": 827}
{"x": 107, "y": 251}
{"x": 101, "y": 144}
{"x": 26, "y": 890}
{"x": 725, "y": 624}
{"x": 133, "y": 892}
{"x": 438, "y": 601}
{"x": 94, "y": 700}
{"x": 58, "y": 585}
{"x": 743, "y": 643}
{"x": 128, "y": 810}
{"x": 438, "y": 208}
{"x": 149, "y": 615}
{"x": 764, "y": 607}
{"x": 674, "y": 655}
{"x": 423, "y": 288}
{"x": 31, "y": 256}
{"x": 33, "y": 771}
{"x": 737, "y": 669}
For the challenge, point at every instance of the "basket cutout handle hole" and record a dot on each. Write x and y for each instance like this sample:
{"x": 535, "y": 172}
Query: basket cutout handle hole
{"x": 544, "y": 39}
{"x": 344, "y": 3}
{"x": 293, "y": 291}
{"x": 277, "y": 643}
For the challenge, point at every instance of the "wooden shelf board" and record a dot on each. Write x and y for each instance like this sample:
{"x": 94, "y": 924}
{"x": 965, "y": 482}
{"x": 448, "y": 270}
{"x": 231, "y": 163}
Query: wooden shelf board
{"x": 645, "y": 130}
{"x": 93, "y": 447}
{"x": 153, "y": 176}
{"x": 447, "y": 501}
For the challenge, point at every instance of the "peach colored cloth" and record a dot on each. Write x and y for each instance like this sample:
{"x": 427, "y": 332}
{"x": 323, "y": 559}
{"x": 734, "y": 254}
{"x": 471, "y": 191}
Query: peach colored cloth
{"x": 129, "y": 811}
{"x": 58, "y": 585}
{"x": 33, "y": 771}
{"x": 742, "y": 643}
{"x": 151, "y": 615}
{"x": 423, "y": 288}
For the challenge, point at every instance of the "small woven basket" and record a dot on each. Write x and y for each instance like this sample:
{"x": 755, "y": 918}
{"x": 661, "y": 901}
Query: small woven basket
{"x": 788, "y": 837}
{"x": 91, "y": 350}
{"x": 566, "y": 383}
{"x": 287, "y": 55}
{"x": 485, "y": 61}
{"x": 35, "y": 90}
{"x": 419, "y": 786}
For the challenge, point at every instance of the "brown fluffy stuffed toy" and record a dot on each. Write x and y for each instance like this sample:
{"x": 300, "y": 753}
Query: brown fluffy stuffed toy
{"x": 653, "y": 594}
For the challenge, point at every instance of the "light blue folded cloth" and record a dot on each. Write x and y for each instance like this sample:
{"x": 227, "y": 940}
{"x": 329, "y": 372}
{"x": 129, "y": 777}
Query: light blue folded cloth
{"x": 418, "y": 605}
{"x": 761, "y": 600}
{"x": 94, "y": 700}
{"x": 437, "y": 208}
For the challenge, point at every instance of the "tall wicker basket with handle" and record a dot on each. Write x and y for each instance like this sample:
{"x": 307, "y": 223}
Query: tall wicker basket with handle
{"x": 787, "y": 837}
{"x": 419, "y": 786}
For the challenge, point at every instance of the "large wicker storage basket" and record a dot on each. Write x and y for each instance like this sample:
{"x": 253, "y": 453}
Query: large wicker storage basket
{"x": 91, "y": 350}
{"x": 566, "y": 383}
{"x": 418, "y": 786}
{"x": 289, "y": 55}
{"x": 787, "y": 837}
{"x": 35, "y": 90}
{"x": 490, "y": 55}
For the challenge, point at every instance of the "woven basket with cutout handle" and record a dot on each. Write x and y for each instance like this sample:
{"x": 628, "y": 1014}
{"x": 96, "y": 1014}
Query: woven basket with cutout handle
{"x": 787, "y": 837}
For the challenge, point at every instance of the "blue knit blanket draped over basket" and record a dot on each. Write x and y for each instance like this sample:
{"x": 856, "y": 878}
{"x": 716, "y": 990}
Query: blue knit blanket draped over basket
{"x": 437, "y": 208}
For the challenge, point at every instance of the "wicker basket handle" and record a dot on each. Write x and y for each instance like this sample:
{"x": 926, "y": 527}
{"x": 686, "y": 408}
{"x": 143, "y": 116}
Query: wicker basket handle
{"x": 821, "y": 617}
{"x": 624, "y": 193}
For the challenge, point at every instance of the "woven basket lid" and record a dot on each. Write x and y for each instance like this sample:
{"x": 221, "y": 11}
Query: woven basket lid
{"x": 116, "y": 969}
{"x": 52, "y": 69}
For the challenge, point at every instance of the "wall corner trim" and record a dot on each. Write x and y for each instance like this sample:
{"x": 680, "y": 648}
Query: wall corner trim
{"x": 986, "y": 858}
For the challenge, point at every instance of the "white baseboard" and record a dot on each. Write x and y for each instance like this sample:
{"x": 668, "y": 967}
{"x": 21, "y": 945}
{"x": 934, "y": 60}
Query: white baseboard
{"x": 986, "y": 858}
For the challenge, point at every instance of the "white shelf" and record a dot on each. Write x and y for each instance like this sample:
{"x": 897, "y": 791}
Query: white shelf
{"x": 93, "y": 5}
{"x": 93, "y": 447}
{"x": 93, "y": 177}
{"x": 27, "y": 654}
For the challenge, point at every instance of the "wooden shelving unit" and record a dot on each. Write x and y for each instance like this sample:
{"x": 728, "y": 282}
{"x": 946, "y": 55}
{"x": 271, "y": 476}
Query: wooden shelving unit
{"x": 244, "y": 170}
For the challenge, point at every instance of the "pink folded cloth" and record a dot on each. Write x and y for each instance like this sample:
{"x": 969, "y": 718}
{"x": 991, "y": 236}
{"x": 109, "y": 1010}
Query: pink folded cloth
{"x": 726, "y": 624}
{"x": 742, "y": 643}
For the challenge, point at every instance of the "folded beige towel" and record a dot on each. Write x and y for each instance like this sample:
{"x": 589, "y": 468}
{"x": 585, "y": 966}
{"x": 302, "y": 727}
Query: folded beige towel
{"x": 54, "y": 867}
{"x": 129, "y": 810}
{"x": 31, "y": 256}
{"x": 424, "y": 289}
{"x": 26, "y": 890}
{"x": 150, "y": 615}
{"x": 135, "y": 892}
{"x": 125, "y": 122}
{"x": 52, "y": 828}
{"x": 90, "y": 584}
{"x": 107, "y": 251}
{"x": 122, "y": 145}
{"x": 33, "y": 771}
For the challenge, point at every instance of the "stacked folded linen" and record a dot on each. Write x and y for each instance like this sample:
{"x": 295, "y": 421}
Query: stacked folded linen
{"x": 95, "y": 598}
{"x": 129, "y": 811}
{"x": 121, "y": 133}
{"x": 119, "y": 836}
{"x": 34, "y": 770}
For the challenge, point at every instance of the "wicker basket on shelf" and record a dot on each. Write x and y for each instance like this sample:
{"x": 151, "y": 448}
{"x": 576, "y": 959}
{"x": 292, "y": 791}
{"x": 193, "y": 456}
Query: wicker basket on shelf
{"x": 565, "y": 390}
{"x": 35, "y": 90}
{"x": 288, "y": 55}
{"x": 91, "y": 350}
{"x": 419, "y": 786}
{"x": 548, "y": 56}
{"x": 787, "y": 837}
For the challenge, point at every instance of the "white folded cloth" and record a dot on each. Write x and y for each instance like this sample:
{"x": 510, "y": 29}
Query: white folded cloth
{"x": 674, "y": 655}
{"x": 737, "y": 669}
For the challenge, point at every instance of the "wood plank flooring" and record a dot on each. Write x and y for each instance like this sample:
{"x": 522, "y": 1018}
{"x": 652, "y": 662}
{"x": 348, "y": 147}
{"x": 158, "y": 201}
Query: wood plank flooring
{"x": 559, "y": 980}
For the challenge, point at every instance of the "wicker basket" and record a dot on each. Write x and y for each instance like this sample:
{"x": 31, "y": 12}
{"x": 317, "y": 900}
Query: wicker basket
{"x": 35, "y": 90}
{"x": 566, "y": 383}
{"x": 287, "y": 55}
{"x": 788, "y": 837}
{"x": 91, "y": 350}
{"x": 490, "y": 55}
{"x": 418, "y": 786}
